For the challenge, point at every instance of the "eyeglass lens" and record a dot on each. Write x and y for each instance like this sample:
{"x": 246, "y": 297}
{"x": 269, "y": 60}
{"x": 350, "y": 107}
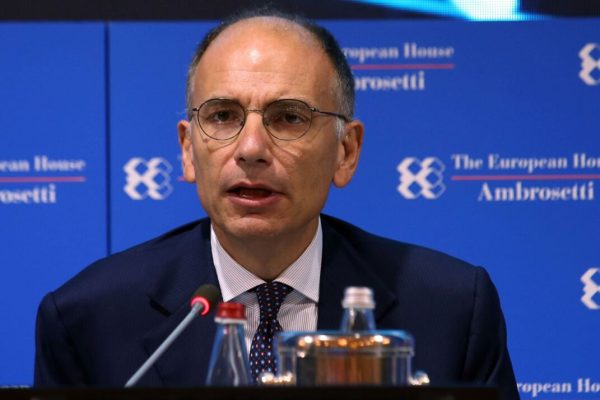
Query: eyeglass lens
{"x": 284, "y": 119}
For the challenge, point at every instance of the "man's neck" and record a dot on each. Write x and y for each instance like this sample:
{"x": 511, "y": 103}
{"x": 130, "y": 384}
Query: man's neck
{"x": 267, "y": 257}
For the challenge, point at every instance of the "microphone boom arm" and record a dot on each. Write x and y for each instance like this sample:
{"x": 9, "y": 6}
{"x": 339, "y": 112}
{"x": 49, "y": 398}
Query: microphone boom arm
{"x": 196, "y": 308}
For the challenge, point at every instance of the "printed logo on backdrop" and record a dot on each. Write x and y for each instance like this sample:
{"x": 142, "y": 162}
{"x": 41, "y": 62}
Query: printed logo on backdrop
{"x": 148, "y": 178}
{"x": 591, "y": 288}
{"x": 401, "y": 68}
{"x": 421, "y": 178}
{"x": 37, "y": 180}
{"x": 502, "y": 178}
{"x": 590, "y": 64}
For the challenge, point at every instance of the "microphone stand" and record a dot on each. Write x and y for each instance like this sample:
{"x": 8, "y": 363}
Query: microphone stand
{"x": 196, "y": 309}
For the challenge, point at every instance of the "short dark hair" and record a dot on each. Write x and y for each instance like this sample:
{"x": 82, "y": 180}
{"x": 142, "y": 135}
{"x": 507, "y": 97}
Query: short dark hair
{"x": 328, "y": 43}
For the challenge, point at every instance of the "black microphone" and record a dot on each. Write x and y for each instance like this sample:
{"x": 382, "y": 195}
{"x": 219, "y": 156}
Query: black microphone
{"x": 203, "y": 300}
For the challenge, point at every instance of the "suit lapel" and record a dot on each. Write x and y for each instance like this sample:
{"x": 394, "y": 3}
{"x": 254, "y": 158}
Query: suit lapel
{"x": 184, "y": 268}
{"x": 344, "y": 266}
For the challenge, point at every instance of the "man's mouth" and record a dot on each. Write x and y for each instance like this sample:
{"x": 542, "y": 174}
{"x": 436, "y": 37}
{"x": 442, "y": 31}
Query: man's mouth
{"x": 251, "y": 193}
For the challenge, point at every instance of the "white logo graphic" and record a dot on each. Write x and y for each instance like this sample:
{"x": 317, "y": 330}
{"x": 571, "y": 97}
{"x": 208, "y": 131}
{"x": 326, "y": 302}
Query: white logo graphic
{"x": 590, "y": 64}
{"x": 148, "y": 178}
{"x": 590, "y": 288}
{"x": 421, "y": 178}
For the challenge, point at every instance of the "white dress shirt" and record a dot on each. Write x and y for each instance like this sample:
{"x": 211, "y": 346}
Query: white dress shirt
{"x": 299, "y": 309}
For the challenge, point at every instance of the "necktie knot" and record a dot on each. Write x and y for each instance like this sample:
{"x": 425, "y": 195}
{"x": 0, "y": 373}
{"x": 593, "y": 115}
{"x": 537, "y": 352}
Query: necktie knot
{"x": 270, "y": 297}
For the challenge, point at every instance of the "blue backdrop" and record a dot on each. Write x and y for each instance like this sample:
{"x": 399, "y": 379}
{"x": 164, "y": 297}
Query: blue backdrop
{"x": 481, "y": 140}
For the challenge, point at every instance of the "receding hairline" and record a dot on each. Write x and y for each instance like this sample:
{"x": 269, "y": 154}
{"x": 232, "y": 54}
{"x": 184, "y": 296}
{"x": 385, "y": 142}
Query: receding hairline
{"x": 271, "y": 23}
{"x": 274, "y": 23}
{"x": 278, "y": 23}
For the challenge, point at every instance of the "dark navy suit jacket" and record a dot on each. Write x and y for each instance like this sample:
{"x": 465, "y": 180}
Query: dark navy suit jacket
{"x": 100, "y": 326}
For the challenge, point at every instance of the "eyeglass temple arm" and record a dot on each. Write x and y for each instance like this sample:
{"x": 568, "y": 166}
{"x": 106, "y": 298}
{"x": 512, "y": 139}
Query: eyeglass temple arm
{"x": 341, "y": 116}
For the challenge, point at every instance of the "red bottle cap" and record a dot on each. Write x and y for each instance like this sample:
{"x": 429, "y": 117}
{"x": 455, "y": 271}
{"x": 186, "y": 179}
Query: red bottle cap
{"x": 231, "y": 310}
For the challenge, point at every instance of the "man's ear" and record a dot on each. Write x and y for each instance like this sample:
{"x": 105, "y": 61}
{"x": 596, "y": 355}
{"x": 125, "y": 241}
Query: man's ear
{"x": 348, "y": 153}
{"x": 184, "y": 130}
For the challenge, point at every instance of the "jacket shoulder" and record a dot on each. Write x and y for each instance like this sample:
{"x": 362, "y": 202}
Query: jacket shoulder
{"x": 393, "y": 254}
{"x": 123, "y": 272}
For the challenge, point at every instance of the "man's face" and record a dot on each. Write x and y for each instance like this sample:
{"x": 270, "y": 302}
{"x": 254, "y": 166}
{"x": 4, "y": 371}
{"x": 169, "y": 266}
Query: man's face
{"x": 256, "y": 186}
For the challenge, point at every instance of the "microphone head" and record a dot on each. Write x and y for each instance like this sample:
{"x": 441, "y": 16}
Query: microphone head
{"x": 208, "y": 295}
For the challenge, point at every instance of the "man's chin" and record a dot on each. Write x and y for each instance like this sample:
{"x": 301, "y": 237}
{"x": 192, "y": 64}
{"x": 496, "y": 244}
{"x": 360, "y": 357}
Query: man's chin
{"x": 253, "y": 227}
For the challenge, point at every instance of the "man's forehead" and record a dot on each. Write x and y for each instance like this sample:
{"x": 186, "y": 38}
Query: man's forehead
{"x": 281, "y": 56}
{"x": 249, "y": 28}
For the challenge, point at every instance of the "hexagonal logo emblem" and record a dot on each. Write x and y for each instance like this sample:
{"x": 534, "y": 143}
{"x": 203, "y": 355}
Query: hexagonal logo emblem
{"x": 148, "y": 178}
{"x": 590, "y": 64}
{"x": 421, "y": 178}
{"x": 591, "y": 290}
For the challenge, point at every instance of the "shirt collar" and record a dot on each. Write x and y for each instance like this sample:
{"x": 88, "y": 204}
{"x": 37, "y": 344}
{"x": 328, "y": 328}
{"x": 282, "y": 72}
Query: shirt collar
{"x": 303, "y": 275}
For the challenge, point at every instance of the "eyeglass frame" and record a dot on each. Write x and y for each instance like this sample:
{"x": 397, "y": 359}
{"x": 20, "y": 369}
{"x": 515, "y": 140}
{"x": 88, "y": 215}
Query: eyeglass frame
{"x": 262, "y": 113}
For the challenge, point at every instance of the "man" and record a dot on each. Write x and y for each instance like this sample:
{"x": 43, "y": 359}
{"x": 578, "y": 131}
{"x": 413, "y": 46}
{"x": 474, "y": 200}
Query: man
{"x": 269, "y": 129}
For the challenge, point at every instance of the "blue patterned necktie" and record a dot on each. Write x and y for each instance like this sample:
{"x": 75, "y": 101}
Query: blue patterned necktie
{"x": 270, "y": 297}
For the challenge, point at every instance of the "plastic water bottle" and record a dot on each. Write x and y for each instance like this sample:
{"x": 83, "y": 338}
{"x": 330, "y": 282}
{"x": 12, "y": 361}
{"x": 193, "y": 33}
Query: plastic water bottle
{"x": 358, "y": 307}
{"x": 229, "y": 359}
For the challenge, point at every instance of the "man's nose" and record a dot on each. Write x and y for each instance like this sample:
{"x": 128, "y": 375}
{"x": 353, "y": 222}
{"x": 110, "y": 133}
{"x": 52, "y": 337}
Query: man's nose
{"x": 254, "y": 142}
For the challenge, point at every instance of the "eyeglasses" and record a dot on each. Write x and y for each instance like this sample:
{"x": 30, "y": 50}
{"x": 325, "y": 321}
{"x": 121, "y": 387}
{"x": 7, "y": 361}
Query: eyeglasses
{"x": 285, "y": 119}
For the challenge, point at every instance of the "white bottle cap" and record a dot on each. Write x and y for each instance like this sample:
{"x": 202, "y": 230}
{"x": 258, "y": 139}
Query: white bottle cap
{"x": 358, "y": 297}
